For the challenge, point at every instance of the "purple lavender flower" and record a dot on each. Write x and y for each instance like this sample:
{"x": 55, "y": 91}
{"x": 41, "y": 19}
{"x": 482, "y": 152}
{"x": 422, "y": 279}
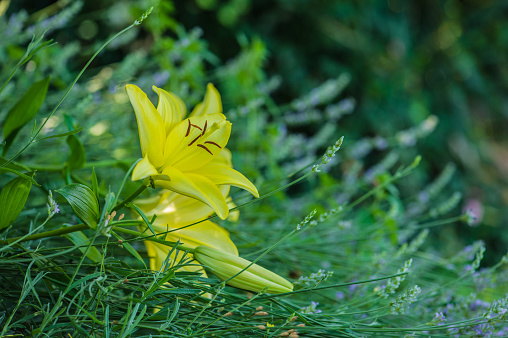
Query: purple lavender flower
{"x": 439, "y": 318}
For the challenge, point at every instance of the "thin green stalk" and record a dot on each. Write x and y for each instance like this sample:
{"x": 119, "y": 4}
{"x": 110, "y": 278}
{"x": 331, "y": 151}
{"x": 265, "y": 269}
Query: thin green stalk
{"x": 127, "y": 174}
{"x": 33, "y": 47}
{"x": 153, "y": 239}
{"x": 51, "y": 233}
{"x": 131, "y": 197}
{"x": 398, "y": 175}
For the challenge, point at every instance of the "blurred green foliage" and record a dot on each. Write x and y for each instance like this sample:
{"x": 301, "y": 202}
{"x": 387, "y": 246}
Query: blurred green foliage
{"x": 293, "y": 76}
{"x": 407, "y": 60}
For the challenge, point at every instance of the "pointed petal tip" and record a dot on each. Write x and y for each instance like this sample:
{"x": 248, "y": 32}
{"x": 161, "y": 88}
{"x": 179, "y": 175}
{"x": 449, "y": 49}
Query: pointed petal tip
{"x": 131, "y": 88}
{"x": 255, "y": 192}
{"x": 143, "y": 169}
{"x": 156, "y": 89}
{"x": 222, "y": 213}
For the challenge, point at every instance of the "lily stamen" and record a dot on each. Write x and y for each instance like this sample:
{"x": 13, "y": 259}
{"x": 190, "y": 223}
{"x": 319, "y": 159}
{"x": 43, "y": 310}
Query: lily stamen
{"x": 215, "y": 144}
{"x": 204, "y": 128}
{"x": 205, "y": 148}
{"x": 196, "y": 126}
{"x": 194, "y": 140}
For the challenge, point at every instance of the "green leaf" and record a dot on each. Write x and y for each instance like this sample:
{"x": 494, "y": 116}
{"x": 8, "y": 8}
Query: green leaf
{"x": 26, "y": 177}
{"x": 79, "y": 238}
{"x": 24, "y": 110}
{"x": 143, "y": 216}
{"x": 77, "y": 157}
{"x": 83, "y": 202}
{"x": 130, "y": 248}
{"x": 13, "y": 198}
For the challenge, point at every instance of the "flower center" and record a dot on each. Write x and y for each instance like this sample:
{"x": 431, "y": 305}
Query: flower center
{"x": 202, "y": 135}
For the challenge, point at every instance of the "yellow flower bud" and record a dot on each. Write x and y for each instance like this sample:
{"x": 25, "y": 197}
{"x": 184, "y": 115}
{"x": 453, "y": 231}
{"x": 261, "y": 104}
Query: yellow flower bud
{"x": 255, "y": 278}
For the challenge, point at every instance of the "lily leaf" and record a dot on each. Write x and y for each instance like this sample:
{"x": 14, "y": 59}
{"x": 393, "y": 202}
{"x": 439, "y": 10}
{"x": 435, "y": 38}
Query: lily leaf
{"x": 26, "y": 177}
{"x": 13, "y": 198}
{"x": 79, "y": 238}
{"x": 77, "y": 157}
{"x": 130, "y": 248}
{"x": 83, "y": 202}
{"x": 24, "y": 110}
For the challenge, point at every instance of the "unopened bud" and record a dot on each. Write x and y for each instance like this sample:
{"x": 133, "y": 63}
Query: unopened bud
{"x": 261, "y": 313}
{"x": 255, "y": 278}
{"x": 261, "y": 327}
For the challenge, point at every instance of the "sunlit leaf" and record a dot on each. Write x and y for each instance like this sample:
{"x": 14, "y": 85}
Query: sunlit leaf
{"x": 79, "y": 238}
{"x": 77, "y": 157}
{"x": 130, "y": 248}
{"x": 12, "y": 199}
{"x": 83, "y": 202}
{"x": 24, "y": 110}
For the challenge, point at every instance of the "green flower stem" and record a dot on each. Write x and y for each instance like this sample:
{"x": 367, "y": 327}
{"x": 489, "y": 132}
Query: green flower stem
{"x": 153, "y": 239}
{"x": 57, "y": 167}
{"x": 52, "y": 233}
{"x": 130, "y": 198}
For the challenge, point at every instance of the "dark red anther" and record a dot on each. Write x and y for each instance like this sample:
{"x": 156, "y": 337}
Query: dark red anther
{"x": 215, "y": 144}
{"x": 205, "y": 148}
{"x": 204, "y": 129}
{"x": 194, "y": 140}
{"x": 188, "y": 129}
{"x": 196, "y": 126}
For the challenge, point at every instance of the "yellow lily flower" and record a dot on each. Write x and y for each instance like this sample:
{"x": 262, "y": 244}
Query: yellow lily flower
{"x": 178, "y": 154}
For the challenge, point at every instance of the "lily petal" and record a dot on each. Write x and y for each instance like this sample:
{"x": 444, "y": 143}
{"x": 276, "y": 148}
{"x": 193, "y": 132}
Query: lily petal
{"x": 181, "y": 104}
{"x": 152, "y": 134}
{"x": 224, "y": 158}
{"x": 168, "y": 108}
{"x": 143, "y": 169}
{"x": 196, "y": 141}
{"x": 221, "y": 174}
{"x": 204, "y": 233}
{"x": 211, "y": 103}
{"x": 158, "y": 253}
{"x": 233, "y": 214}
{"x": 178, "y": 210}
{"x": 195, "y": 186}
